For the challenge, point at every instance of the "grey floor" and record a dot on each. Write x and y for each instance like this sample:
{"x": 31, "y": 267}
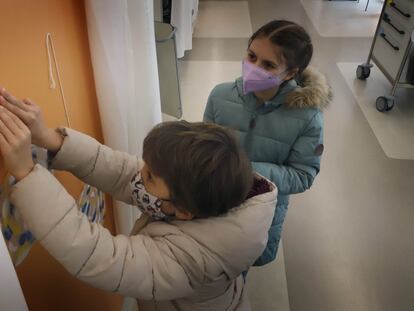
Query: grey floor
{"x": 349, "y": 241}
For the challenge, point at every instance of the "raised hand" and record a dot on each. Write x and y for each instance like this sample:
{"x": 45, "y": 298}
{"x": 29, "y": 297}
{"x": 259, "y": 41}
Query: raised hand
{"x": 31, "y": 115}
{"x": 27, "y": 111}
{"x": 15, "y": 144}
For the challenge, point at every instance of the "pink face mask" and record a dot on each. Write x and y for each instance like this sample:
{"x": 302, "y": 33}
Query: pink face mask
{"x": 258, "y": 79}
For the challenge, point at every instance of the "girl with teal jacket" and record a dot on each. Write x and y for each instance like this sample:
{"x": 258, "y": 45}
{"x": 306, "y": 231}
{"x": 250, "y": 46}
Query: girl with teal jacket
{"x": 276, "y": 108}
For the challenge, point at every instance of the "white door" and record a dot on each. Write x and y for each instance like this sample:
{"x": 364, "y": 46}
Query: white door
{"x": 11, "y": 295}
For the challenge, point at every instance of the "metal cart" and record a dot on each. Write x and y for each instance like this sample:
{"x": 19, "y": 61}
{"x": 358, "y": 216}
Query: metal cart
{"x": 168, "y": 70}
{"x": 391, "y": 48}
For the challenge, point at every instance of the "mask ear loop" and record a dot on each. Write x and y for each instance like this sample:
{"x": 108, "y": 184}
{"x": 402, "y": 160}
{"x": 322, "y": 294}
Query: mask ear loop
{"x": 296, "y": 74}
{"x": 278, "y": 75}
{"x": 163, "y": 200}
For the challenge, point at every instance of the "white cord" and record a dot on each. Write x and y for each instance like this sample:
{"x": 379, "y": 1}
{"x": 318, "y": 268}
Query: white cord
{"x": 50, "y": 47}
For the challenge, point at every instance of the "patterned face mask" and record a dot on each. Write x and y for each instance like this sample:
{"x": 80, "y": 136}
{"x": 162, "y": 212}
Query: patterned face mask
{"x": 145, "y": 201}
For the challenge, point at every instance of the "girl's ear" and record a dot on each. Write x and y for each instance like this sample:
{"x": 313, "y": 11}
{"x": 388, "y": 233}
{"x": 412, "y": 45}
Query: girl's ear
{"x": 183, "y": 214}
{"x": 291, "y": 74}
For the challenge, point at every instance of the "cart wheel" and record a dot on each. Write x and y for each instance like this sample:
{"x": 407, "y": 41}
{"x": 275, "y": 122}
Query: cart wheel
{"x": 384, "y": 104}
{"x": 390, "y": 105}
{"x": 363, "y": 72}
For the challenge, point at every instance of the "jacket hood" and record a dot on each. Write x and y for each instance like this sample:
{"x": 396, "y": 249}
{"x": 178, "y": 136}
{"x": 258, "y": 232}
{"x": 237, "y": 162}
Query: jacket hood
{"x": 245, "y": 228}
{"x": 314, "y": 91}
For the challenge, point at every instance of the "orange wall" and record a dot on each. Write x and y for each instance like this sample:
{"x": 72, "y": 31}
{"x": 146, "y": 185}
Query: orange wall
{"x": 24, "y": 72}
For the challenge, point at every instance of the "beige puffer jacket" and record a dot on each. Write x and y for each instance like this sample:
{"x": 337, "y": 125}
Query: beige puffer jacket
{"x": 181, "y": 265}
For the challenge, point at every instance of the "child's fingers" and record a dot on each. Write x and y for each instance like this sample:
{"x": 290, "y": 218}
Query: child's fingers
{"x": 29, "y": 102}
{"x": 8, "y": 135}
{"x": 22, "y": 114}
{"x": 4, "y": 145}
{"x": 12, "y": 100}
{"x": 16, "y": 127}
{"x": 14, "y": 109}
{"x": 20, "y": 124}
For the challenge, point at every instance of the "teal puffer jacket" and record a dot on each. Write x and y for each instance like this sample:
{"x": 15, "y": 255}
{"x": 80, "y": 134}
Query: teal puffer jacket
{"x": 283, "y": 137}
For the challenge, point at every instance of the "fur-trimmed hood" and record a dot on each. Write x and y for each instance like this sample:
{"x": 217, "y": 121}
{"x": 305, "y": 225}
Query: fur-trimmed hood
{"x": 314, "y": 91}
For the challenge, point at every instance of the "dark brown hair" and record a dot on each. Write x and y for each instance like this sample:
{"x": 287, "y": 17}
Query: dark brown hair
{"x": 202, "y": 164}
{"x": 292, "y": 39}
